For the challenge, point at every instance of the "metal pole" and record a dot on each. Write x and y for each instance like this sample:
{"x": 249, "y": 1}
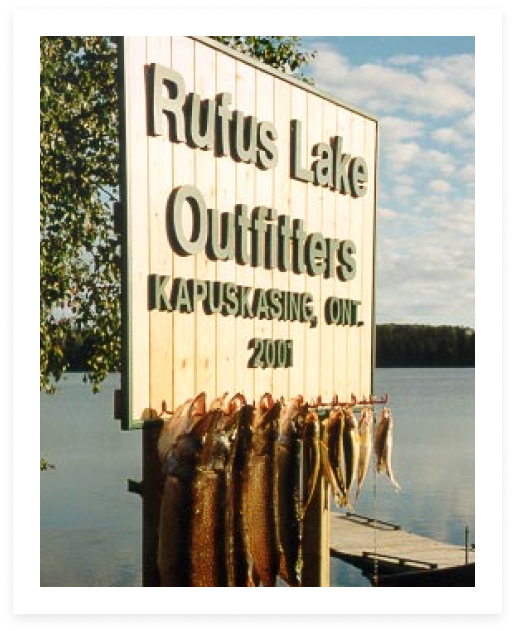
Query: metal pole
{"x": 466, "y": 545}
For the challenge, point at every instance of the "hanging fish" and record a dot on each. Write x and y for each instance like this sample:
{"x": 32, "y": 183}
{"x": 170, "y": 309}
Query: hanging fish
{"x": 179, "y": 446}
{"x": 333, "y": 459}
{"x": 350, "y": 451}
{"x": 289, "y": 453}
{"x": 207, "y": 530}
{"x": 311, "y": 447}
{"x": 383, "y": 446}
{"x": 237, "y": 546}
{"x": 262, "y": 489}
{"x": 365, "y": 425}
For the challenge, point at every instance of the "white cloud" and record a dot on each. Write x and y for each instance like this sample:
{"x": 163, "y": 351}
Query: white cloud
{"x": 470, "y": 122}
{"x": 426, "y": 264}
{"x": 387, "y": 213}
{"x": 442, "y": 87}
{"x": 409, "y": 100}
{"x": 468, "y": 174}
{"x": 440, "y": 161}
{"x": 448, "y": 135}
{"x": 427, "y": 225}
{"x": 400, "y": 155}
{"x": 455, "y": 70}
{"x": 396, "y": 129}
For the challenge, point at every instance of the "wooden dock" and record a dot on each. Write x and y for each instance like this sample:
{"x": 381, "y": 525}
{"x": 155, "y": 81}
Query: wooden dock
{"x": 388, "y": 549}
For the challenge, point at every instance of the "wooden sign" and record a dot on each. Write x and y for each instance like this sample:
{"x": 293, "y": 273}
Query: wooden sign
{"x": 249, "y": 202}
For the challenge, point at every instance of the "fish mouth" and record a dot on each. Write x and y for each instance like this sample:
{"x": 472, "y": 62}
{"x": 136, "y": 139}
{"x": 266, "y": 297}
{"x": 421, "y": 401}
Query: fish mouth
{"x": 267, "y": 412}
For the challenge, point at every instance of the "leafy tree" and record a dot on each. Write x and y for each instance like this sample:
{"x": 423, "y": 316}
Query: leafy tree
{"x": 44, "y": 465}
{"x": 79, "y": 249}
{"x": 424, "y": 345}
{"x": 282, "y": 52}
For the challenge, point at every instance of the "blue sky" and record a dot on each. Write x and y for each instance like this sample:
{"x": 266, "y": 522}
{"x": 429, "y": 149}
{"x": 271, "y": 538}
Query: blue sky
{"x": 422, "y": 91}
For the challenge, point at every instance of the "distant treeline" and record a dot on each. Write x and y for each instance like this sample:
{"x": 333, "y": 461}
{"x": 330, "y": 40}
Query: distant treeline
{"x": 397, "y": 345}
{"x": 411, "y": 345}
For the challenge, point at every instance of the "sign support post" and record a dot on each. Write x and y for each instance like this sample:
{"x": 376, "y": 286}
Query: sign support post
{"x": 315, "y": 541}
{"x": 151, "y": 490}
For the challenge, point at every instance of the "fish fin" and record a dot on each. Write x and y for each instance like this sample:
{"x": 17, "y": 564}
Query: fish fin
{"x": 219, "y": 402}
{"x": 255, "y": 579}
{"x": 338, "y": 495}
{"x": 194, "y": 410}
{"x": 237, "y": 402}
{"x": 396, "y": 485}
{"x": 312, "y": 479}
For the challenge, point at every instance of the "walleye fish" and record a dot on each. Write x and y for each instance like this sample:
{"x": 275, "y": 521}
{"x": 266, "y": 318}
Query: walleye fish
{"x": 179, "y": 446}
{"x": 383, "y": 446}
{"x": 289, "y": 452}
{"x": 333, "y": 459}
{"x": 262, "y": 489}
{"x": 350, "y": 451}
{"x": 311, "y": 446}
{"x": 365, "y": 425}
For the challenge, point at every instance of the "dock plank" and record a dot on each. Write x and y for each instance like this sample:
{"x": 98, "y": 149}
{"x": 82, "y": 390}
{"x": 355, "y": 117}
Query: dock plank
{"x": 353, "y": 539}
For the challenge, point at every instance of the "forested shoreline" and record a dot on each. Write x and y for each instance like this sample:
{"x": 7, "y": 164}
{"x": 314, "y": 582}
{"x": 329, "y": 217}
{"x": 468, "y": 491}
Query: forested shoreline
{"x": 397, "y": 345}
{"x": 420, "y": 345}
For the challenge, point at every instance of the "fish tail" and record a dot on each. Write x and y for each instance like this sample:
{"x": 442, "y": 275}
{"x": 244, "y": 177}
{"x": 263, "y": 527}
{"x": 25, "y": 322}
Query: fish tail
{"x": 396, "y": 485}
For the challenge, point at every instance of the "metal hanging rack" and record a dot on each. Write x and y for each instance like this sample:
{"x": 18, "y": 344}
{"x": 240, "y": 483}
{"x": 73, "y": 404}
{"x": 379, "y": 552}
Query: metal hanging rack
{"x": 324, "y": 408}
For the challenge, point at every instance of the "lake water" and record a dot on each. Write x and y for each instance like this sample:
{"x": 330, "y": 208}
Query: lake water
{"x": 91, "y": 525}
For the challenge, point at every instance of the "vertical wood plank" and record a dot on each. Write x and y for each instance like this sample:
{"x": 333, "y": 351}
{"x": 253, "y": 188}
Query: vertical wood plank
{"x": 225, "y": 270}
{"x": 245, "y": 186}
{"x": 355, "y": 285}
{"x": 313, "y": 385}
{"x": 341, "y": 334}
{"x": 161, "y": 256}
{"x": 184, "y": 327}
{"x": 264, "y": 195}
{"x": 205, "y": 181}
{"x": 298, "y": 209}
{"x": 280, "y": 279}
{"x": 367, "y": 246}
{"x": 327, "y": 285}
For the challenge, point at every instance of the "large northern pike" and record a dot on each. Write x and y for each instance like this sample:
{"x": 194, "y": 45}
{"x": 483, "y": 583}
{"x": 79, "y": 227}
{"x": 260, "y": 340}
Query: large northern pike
{"x": 262, "y": 489}
{"x": 237, "y": 546}
{"x": 179, "y": 446}
{"x": 207, "y": 529}
{"x": 383, "y": 446}
{"x": 365, "y": 426}
{"x": 289, "y": 502}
